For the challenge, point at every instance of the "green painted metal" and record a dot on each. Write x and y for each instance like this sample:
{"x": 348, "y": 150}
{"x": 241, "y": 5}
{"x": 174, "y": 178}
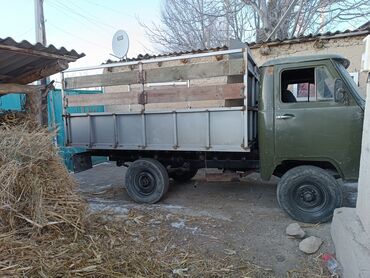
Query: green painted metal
{"x": 266, "y": 122}
{"x": 56, "y": 121}
{"x": 319, "y": 131}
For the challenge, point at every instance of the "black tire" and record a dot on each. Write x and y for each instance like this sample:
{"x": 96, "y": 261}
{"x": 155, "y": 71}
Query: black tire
{"x": 309, "y": 194}
{"x": 182, "y": 176}
{"x": 146, "y": 181}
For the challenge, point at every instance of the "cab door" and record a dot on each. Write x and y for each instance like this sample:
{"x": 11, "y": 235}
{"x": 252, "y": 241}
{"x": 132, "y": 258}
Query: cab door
{"x": 310, "y": 124}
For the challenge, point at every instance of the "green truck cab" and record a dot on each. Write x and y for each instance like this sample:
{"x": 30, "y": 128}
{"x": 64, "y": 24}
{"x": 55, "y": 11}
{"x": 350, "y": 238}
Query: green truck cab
{"x": 310, "y": 128}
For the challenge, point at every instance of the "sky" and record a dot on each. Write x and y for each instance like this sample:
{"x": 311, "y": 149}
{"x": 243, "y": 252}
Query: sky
{"x": 84, "y": 25}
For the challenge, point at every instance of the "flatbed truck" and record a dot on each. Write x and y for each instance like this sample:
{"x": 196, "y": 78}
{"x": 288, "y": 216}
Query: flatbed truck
{"x": 298, "y": 118}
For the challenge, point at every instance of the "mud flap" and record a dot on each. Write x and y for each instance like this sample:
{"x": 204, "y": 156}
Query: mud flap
{"x": 349, "y": 190}
{"x": 81, "y": 162}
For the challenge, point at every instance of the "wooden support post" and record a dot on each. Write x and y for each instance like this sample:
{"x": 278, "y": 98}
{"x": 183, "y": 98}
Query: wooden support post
{"x": 33, "y": 107}
{"x": 36, "y": 104}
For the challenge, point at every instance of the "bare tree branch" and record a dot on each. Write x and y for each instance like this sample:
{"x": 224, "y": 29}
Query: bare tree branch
{"x": 194, "y": 24}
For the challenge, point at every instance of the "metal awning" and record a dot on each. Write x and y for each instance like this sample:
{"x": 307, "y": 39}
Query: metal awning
{"x": 23, "y": 62}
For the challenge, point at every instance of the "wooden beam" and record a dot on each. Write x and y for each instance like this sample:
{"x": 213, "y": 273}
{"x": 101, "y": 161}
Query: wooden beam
{"x": 11, "y": 88}
{"x": 166, "y": 74}
{"x": 162, "y": 95}
{"x": 46, "y": 70}
{"x": 4, "y": 77}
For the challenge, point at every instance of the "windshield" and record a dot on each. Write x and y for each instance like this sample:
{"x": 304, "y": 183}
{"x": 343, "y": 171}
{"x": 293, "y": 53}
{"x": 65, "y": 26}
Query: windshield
{"x": 349, "y": 79}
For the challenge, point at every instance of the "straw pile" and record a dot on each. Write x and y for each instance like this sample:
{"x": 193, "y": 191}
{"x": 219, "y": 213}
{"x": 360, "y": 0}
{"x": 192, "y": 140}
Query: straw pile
{"x": 36, "y": 190}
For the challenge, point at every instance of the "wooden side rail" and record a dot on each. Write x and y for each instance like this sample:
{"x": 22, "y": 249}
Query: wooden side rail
{"x": 160, "y": 74}
{"x": 163, "y": 95}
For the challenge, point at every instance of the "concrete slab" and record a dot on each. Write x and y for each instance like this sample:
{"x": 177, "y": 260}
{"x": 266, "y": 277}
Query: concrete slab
{"x": 363, "y": 204}
{"x": 352, "y": 243}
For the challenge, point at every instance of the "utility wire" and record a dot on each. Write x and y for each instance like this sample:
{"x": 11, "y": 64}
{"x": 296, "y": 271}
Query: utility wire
{"x": 92, "y": 19}
{"x": 92, "y": 15}
{"x": 25, "y": 32}
{"x": 78, "y": 37}
{"x": 109, "y": 8}
{"x": 77, "y": 18}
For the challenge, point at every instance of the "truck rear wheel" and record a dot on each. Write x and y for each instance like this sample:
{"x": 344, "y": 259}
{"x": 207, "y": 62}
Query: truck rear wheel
{"x": 309, "y": 194}
{"x": 146, "y": 180}
{"x": 182, "y": 176}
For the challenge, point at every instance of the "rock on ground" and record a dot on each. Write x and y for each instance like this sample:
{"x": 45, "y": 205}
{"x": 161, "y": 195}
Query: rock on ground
{"x": 295, "y": 230}
{"x": 310, "y": 245}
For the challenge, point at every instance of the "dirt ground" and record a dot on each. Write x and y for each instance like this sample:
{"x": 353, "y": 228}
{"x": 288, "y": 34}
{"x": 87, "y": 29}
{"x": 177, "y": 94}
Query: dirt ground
{"x": 236, "y": 218}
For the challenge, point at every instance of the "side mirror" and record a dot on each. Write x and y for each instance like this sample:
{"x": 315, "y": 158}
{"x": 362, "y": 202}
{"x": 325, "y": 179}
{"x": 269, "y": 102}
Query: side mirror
{"x": 339, "y": 91}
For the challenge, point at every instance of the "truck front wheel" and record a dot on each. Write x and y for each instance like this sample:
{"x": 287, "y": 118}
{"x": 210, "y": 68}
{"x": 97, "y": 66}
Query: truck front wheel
{"x": 146, "y": 180}
{"x": 309, "y": 194}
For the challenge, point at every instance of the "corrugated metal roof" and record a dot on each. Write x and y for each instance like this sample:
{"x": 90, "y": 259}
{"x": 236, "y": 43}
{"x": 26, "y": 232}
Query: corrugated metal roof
{"x": 328, "y": 35}
{"x": 23, "y": 62}
{"x": 363, "y": 30}
{"x": 150, "y": 56}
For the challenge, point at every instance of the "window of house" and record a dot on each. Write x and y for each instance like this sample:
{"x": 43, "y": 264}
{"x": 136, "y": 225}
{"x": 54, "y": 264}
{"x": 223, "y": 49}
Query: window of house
{"x": 307, "y": 85}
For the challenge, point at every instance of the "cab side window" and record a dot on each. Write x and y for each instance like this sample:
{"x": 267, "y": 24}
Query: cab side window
{"x": 325, "y": 83}
{"x": 307, "y": 85}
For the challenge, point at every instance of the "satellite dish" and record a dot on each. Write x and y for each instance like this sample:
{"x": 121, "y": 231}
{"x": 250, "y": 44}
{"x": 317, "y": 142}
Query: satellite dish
{"x": 120, "y": 44}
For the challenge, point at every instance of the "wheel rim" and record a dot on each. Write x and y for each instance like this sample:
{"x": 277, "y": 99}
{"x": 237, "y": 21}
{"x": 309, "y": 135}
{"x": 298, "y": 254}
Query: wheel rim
{"x": 145, "y": 183}
{"x": 309, "y": 197}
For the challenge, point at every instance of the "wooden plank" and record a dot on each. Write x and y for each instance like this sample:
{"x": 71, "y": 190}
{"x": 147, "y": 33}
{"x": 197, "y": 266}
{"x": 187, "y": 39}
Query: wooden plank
{"x": 4, "y": 77}
{"x": 11, "y": 88}
{"x": 171, "y": 106}
{"x": 196, "y": 93}
{"x": 166, "y": 74}
{"x": 185, "y": 105}
{"x": 102, "y": 99}
{"x": 162, "y": 95}
{"x": 174, "y": 105}
{"x": 101, "y": 80}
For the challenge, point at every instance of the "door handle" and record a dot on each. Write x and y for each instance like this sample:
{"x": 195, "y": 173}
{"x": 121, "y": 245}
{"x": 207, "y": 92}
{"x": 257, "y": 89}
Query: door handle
{"x": 285, "y": 117}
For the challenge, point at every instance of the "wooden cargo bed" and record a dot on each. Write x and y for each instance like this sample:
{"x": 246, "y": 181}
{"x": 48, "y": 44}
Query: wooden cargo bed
{"x": 156, "y": 104}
